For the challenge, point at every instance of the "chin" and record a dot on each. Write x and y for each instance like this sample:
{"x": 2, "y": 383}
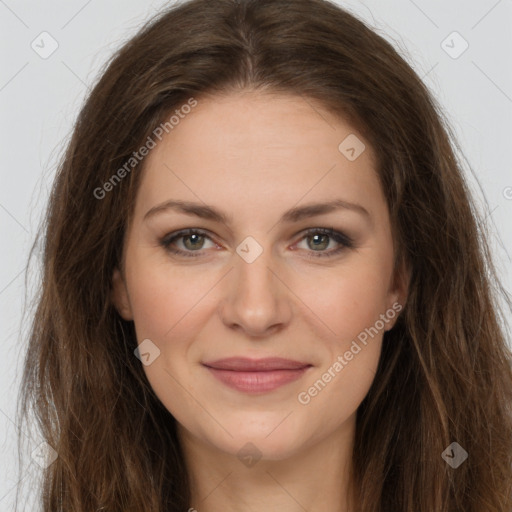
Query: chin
{"x": 251, "y": 450}
{"x": 268, "y": 438}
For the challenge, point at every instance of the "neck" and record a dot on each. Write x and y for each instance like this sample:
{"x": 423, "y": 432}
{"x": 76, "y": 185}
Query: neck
{"x": 315, "y": 479}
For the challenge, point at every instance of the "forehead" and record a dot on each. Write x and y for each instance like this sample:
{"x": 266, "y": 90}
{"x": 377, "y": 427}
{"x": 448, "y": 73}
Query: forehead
{"x": 259, "y": 125}
{"x": 257, "y": 151}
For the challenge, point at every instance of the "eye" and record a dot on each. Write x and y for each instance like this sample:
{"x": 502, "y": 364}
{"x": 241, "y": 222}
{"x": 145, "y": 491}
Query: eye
{"x": 320, "y": 238}
{"x": 193, "y": 241}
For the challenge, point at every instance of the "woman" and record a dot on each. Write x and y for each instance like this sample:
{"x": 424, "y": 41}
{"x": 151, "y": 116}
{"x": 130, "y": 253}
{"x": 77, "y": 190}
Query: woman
{"x": 264, "y": 283}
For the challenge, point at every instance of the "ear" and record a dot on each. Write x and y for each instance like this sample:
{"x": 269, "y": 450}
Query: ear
{"x": 119, "y": 296}
{"x": 399, "y": 292}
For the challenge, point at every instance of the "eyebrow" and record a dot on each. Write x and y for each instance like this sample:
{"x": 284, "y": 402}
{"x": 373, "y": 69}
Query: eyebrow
{"x": 295, "y": 214}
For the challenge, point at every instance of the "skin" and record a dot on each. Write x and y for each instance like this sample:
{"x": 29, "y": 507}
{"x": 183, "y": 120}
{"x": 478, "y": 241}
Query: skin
{"x": 255, "y": 156}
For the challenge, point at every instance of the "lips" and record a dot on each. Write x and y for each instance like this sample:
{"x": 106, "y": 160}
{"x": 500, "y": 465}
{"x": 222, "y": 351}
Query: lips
{"x": 256, "y": 375}
{"x": 244, "y": 364}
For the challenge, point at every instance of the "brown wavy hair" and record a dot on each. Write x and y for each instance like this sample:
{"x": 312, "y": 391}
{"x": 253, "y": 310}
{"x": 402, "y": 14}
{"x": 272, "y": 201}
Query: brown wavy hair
{"x": 445, "y": 372}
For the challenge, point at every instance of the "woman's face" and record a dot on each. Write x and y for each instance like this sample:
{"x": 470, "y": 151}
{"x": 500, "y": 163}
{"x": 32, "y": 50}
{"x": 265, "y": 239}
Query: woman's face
{"x": 258, "y": 278}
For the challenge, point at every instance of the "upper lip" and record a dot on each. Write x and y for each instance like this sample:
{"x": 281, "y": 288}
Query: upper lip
{"x": 244, "y": 364}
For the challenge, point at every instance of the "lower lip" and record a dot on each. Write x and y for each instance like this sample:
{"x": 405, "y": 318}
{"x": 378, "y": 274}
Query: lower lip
{"x": 257, "y": 382}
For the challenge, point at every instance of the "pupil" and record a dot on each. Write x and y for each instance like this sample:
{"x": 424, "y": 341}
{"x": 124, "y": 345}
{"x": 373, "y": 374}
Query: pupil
{"x": 195, "y": 237}
{"x": 317, "y": 238}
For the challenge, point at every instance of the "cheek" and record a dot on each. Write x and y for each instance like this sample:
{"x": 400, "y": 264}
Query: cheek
{"x": 170, "y": 309}
{"x": 347, "y": 300}
{"x": 165, "y": 299}
{"x": 172, "y": 306}
{"x": 350, "y": 303}
{"x": 351, "y": 353}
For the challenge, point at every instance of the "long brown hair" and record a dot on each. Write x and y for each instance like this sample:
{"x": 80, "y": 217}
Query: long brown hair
{"x": 445, "y": 373}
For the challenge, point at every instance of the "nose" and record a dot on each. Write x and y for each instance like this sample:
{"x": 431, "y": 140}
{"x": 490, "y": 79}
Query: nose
{"x": 257, "y": 303}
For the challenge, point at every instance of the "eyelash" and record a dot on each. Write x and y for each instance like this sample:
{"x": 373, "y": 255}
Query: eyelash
{"x": 345, "y": 241}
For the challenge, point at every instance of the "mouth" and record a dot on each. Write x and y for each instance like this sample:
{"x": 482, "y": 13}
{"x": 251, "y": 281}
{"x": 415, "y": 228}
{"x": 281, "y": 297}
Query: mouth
{"x": 256, "y": 375}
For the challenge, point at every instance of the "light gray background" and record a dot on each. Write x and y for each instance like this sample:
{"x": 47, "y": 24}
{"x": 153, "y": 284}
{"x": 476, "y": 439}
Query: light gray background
{"x": 39, "y": 100}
